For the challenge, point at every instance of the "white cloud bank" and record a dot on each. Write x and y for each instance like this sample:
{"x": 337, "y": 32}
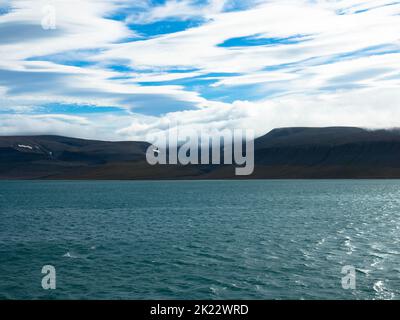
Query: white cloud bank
{"x": 342, "y": 68}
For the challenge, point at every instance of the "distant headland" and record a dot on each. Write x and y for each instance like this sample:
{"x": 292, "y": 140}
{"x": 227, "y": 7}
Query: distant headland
{"x": 285, "y": 153}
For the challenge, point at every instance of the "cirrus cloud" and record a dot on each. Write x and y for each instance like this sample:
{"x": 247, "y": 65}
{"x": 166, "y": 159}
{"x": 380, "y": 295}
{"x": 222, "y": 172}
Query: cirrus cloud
{"x": 255, "y": 63}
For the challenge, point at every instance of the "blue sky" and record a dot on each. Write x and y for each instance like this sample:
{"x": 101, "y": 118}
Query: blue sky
{"x": 119, "y": 69}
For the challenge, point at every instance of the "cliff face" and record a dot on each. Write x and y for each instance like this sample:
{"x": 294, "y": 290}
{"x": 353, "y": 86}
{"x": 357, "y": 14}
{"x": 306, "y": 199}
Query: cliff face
{"x": 332, "y": 146}
{"x": 54, "y": 156}
{"x": 336, "y": 152}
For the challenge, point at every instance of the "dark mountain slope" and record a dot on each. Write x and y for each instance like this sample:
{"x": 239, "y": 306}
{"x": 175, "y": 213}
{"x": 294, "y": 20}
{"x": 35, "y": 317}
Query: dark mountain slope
{"x": 335, "y": 152}
{"x": 71, "y": 149}
{"x": 329, "y": 146}
{"x": 331, "y": 136}
{"x": 47, "y": 156}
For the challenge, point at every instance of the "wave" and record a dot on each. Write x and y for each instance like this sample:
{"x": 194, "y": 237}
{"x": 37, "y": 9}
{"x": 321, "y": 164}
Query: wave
{"x": 70, "y": 255}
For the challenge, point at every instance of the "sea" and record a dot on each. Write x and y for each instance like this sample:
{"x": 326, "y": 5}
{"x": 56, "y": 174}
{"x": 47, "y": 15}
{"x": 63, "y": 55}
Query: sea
{"x": 263, "y": 239}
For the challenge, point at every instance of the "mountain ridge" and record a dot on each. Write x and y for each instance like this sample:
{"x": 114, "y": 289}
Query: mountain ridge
{"x": 283, "y": 153}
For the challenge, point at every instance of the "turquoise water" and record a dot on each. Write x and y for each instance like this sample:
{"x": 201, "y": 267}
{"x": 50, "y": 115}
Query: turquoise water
{"x": 200, "y": 239}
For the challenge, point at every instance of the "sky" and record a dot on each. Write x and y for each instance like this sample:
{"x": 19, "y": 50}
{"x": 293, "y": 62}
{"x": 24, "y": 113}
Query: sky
{"x": 123, "y": 69}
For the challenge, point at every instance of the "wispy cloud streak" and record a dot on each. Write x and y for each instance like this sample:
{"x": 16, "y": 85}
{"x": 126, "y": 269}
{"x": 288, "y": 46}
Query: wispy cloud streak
{"x": 209, "y": 63}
